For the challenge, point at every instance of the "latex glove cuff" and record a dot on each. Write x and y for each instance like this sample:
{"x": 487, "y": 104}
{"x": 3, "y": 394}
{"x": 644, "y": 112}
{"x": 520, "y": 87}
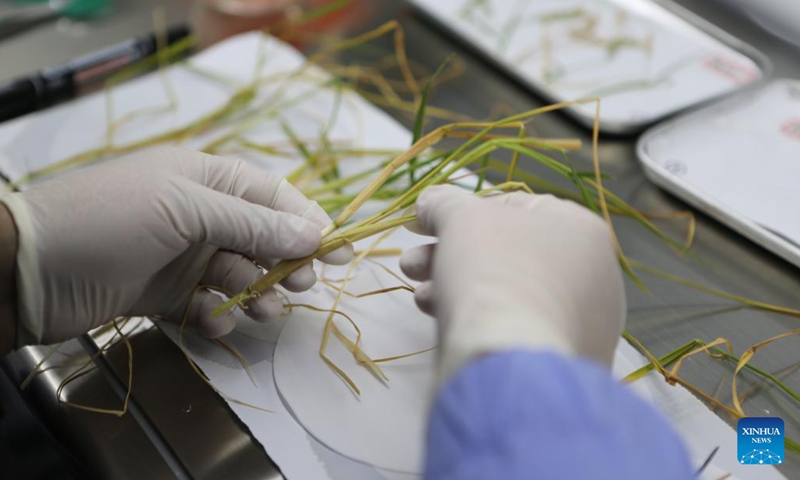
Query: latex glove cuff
{"x": 472, "y": 339}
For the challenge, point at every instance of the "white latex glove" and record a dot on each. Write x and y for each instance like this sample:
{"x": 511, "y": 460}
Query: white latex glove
{"x": 516, "y": 271}
{"x": 137, "y": 236}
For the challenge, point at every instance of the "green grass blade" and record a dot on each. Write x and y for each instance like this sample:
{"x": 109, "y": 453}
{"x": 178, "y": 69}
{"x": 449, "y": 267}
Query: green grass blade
{"x": 482, "y": 173}
{"x": 419, "y": 121}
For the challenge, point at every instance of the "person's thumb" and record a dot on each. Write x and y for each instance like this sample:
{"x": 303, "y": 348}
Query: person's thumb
{"x": 437, "y": 205}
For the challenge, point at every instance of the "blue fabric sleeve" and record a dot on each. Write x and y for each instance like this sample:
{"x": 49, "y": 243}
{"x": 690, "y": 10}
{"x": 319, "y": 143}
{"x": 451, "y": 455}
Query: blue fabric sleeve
{"x": 539, "y": 415}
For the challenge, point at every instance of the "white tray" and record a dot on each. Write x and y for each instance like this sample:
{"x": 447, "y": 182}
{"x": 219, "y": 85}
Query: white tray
{"x": 737, "y": 160}
{"x": 646, "y": 59}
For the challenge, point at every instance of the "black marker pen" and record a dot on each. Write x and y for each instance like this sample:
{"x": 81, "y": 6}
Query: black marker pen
{"x": 53, "y": 85}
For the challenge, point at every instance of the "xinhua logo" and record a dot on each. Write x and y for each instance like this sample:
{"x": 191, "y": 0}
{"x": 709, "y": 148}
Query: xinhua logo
{"x": 760, "y": 440}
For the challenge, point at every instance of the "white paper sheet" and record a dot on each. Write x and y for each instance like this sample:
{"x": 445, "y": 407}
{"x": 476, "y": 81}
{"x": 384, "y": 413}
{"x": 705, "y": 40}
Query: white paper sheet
{"x": 80, "y": 125}
{"x": 643, "y": 61}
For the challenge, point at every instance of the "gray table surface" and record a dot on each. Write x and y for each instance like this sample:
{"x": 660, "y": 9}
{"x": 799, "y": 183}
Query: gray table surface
{"x": 204, "y": 440}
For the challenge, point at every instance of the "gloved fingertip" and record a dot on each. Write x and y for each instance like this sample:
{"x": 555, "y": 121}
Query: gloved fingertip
{"x": 265, "y": 308}
{"x": 423, "y": 297}
{"x": 415, "y": 263}
{"x": 427, "y": 196}
{"x": 215, "y": 327}
{"x": 435, "y": 204}
{"x": 315, "y": 213}
{"x": 407, "y": 263}
{"x": 436, "y": 192}
{"x": 301, "y": 280}
{"x": 341, "y": 256}
{"x": 415, "y": 227}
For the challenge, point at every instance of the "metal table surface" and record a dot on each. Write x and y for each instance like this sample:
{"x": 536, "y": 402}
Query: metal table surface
{"x": 205, "y": 438}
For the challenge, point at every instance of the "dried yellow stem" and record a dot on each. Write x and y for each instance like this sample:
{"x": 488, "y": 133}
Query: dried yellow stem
{"x": 745, "y": 359}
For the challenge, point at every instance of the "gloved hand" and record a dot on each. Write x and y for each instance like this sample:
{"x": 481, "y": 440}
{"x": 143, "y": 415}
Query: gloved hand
{"x": 137, "y": 236}
{"x": 516, "y": 271}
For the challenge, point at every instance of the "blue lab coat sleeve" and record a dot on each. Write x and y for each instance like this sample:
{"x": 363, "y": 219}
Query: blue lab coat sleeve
{"x": 539, "y": 415}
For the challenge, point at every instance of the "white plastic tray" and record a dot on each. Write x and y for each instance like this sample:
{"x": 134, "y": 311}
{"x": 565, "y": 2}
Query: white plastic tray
{"x": 737, "y": 160}
{"x": 645, "y": 59}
